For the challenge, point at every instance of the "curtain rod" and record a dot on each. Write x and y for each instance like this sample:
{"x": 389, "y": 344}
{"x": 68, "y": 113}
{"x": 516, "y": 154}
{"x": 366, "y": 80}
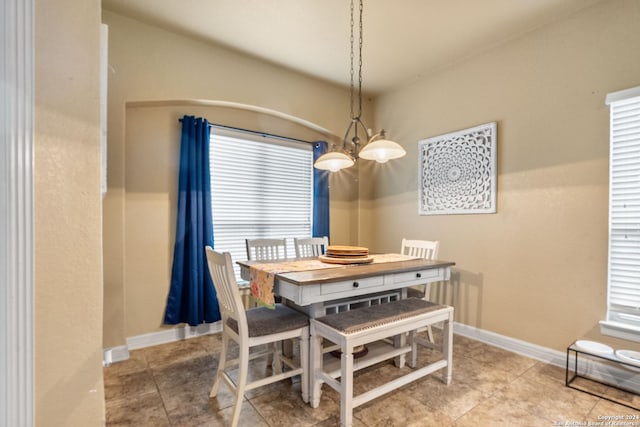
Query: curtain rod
{"x": 255, "y": 132}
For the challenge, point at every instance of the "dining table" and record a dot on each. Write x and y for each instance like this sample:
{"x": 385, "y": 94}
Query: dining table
{"x": 317, "y": 288}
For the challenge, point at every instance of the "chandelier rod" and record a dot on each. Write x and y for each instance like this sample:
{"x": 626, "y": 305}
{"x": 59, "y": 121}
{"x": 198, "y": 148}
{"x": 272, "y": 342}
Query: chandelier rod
{"x": 352, "y": 57}
{"x": 360, "y": 63}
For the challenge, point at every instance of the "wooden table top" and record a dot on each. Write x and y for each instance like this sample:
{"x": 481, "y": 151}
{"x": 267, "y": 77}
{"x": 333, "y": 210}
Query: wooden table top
{"x": 355, "y": 271}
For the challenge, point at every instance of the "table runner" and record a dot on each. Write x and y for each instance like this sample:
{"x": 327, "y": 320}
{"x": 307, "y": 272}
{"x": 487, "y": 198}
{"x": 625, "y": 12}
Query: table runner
{"x": 262, "y": 275}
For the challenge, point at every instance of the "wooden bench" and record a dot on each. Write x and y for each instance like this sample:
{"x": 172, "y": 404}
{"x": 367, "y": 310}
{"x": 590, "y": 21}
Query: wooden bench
{"x": 372, "y": 324}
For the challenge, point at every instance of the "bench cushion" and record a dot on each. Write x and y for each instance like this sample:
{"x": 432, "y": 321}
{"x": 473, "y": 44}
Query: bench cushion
{"x": 369, "y": 317}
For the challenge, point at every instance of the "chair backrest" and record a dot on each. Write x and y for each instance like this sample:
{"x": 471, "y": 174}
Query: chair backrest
{"x": 310, "y": 246}
{"x": 266, "y": 249}
{"x": 427, "y": 249}
{"x": 224, "y": 281}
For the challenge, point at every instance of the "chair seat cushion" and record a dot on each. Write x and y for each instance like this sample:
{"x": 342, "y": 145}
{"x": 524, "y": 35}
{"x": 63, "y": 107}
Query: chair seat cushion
{"x": 415, "y": 293}
{"x": 363, "y": 318}
{"x": 266, "y": 321}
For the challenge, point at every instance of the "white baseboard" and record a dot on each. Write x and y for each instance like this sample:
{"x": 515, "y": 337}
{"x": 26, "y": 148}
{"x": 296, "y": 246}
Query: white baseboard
{"x": 598, "y": 369}
{"x": 114, "y": 354}
{"x": 544, "y": 354}
{"x": 120, "y": 353}
{"x": 171, "y": 335}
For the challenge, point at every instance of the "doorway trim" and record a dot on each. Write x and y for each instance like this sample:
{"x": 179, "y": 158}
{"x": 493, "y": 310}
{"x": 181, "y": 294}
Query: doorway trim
{"x": 17, "y": 285}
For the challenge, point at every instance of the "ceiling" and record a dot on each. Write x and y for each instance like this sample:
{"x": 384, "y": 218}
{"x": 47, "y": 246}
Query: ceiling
{"x": 403, "y": 39}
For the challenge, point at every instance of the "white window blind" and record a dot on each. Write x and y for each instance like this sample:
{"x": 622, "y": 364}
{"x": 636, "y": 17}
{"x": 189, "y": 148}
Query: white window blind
{"x": 624, "y": 214}
{"x": 260, "y": 188}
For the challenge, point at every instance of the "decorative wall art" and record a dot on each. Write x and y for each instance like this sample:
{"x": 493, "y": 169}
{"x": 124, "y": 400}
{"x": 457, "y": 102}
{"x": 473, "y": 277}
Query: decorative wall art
{"x": 457, "y": 172}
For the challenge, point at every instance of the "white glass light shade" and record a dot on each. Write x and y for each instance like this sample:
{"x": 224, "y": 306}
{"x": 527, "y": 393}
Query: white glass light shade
{"x": 382, "y": 150}
{"x": 333, "y": 161}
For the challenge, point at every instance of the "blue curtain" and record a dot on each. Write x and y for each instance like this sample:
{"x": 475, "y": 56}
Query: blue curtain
{"x": 192, "y": 297}
{"x": 320, "y": 194}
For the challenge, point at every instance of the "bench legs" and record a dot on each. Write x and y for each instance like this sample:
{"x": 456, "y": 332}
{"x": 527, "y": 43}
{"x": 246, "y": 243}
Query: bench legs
{"x": 346, "y": 388}
{"x": 345, "y": 385}
{"x": 346, "y": 379}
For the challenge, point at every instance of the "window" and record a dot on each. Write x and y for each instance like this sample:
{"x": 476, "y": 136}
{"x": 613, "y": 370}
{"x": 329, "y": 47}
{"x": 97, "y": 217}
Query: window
{"x": 623, "y": 314}
{"x": 260, "y": 188}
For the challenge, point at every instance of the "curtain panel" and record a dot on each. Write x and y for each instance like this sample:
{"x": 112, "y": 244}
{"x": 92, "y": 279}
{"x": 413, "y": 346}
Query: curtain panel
{"x": 192, "y": 297}
{"x": 320, "y": 194}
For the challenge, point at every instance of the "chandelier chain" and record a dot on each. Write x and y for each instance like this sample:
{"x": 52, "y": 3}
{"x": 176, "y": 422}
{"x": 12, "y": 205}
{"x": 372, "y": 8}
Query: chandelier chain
{"x": 352, "y": 58}
{"x": 360, "y": 66}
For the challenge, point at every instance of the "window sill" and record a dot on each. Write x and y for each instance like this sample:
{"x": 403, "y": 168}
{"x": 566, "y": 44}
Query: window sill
{"x": 620, "y": 330}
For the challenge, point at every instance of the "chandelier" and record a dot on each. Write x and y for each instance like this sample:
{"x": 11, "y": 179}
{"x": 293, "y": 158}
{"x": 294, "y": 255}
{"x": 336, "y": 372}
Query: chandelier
{"x": 377, "y": 147}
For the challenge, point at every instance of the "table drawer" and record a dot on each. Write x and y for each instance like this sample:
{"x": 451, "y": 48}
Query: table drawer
{"x": 352, "y": 285}
{"x": 417, "y": 276}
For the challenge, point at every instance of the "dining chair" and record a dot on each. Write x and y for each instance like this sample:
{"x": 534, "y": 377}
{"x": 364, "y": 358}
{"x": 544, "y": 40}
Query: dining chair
{"x": 310, "y": 246}
{"x": 266, "y": 249}
{"x": 251, "y": 328}
{"x": 427, "y": 249}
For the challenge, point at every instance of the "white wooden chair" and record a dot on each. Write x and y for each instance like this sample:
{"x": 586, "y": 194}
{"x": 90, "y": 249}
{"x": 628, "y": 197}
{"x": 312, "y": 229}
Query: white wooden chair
{"x": 251, "y": 328}
{"x": 263, "y": 250}
{"x": 427, "y": 249}
{"x": 266, "y": 249}
{"x": 310, "y": 246}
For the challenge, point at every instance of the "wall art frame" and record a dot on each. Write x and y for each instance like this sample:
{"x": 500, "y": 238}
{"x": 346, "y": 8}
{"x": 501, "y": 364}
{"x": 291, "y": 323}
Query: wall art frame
{"x": 457, "y": 172}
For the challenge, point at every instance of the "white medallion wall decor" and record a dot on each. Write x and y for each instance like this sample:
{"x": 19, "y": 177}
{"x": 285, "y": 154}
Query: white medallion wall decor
{"x": 457, "y": 172}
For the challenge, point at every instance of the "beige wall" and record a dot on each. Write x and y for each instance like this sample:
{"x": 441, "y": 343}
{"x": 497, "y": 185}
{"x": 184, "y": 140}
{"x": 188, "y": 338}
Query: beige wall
{"x": 536, "y": 270}
{"x": 68, "y": 254}
{"x": 150, "y": 65}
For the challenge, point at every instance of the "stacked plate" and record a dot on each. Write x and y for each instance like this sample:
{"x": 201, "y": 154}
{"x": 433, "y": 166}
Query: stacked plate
{"x": 593, "y": 347}
{"x": 346, "y": 255}
{"x": 629, "y": 356}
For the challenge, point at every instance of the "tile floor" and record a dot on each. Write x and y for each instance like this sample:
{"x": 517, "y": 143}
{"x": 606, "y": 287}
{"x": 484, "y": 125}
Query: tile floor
{"x": 168, "y": 385}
